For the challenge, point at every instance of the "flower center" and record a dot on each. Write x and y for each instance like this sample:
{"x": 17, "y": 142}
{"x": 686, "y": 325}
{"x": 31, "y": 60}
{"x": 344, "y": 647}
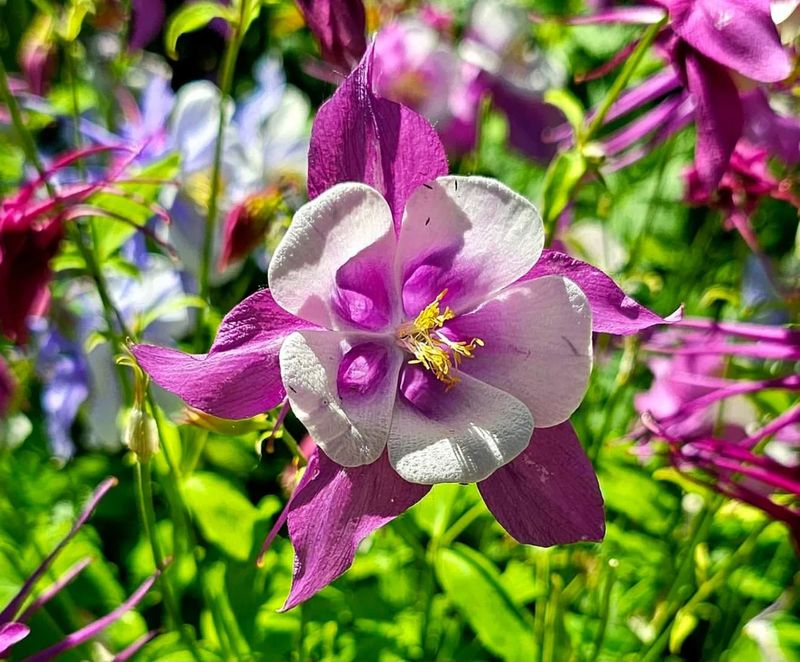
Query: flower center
{"x": 432, "y": 348}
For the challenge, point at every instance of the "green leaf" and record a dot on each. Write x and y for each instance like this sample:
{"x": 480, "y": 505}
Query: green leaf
{"x": 190, "y": 18}
{"x": 473, "y": 584}
{"x": 561, "y": 179}
{"x": 224, "y": 514}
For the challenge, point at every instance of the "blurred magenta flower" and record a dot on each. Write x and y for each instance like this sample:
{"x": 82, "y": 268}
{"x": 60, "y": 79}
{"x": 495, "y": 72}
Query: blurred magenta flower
{"x": 339, "y": 27}
{"x": 745, "y": 182}
{"x": 7, "y": 386}
{"x": 13, "y": 618}
{"x": 710, "y": 426}
{"x": 403, "y": 315}
{"x": 719, "y": 50}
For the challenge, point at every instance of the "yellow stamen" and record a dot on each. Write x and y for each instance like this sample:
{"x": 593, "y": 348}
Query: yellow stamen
{"x": 432, "y": 349}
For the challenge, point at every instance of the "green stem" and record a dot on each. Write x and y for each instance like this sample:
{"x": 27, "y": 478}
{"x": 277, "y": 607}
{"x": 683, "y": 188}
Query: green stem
{"x": 605, "y": 609}
{"x": 226, "y": 83}
{"x": 460, "y": 525}
{"x": 147, "y": 513}
{"x": 621, "y": 81}
{"x": 714, "y": 582}
{"x": 28, "y": 144}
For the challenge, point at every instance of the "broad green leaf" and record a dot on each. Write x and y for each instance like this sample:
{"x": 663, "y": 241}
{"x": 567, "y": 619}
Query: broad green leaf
{"x": 473, "y": 584}
{"x": 224, "y": 514}
{"x": 192, "y": 17}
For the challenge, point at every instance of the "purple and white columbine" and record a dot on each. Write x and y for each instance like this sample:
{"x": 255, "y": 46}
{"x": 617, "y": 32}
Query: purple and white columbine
{"x": 361, "y": 279}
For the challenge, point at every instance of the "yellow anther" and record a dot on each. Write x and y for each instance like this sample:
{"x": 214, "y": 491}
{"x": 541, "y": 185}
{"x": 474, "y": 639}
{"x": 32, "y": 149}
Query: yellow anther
{"x": 433, "y": 349}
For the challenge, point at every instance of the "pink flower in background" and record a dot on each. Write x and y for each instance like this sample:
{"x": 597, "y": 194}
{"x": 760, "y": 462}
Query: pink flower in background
{"x": 746, "y": 181}
{"x": 418, "y": 313}
{"x": 704, "y": 414}
{"x": 718, "y": 51}
{"x": 7, "y": 386}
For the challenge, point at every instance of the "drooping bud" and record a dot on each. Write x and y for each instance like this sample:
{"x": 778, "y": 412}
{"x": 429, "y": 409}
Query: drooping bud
{"x": 141, "y": 434}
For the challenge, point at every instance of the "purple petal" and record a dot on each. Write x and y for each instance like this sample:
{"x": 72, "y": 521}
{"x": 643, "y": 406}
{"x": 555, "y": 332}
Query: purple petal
{"x": 549, "y": 494}
{"x": 613, "y": 311}
{"x": 647, "y": 91}
{"x": 334, "y": 511}
{"x": 240, "y": 375}
{"x": 147, "y": 17}
{"x": 340, "y": 27}
{"x": 780, "y": 134}
{"x": 10, "y": 634}
{"x": 84, "y": 634}
{"x": 738, "y": 34}
{"x": 530, "y": 119}
{"x": 135, "y": 647}
{"x": 642, "y": 126}
{"x": 12, "y": 607}
{"x": 718, "y": 115}
{"x": 358, "y": 137}
{"x": 362, "y": 369}
{"x": 6, "y": 387}
{"x": 53, "y": 590}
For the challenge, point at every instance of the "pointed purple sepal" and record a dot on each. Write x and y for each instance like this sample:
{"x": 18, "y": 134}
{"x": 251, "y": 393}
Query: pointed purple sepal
{"x": 613, "y": 311}
{"x": 333, "y": 510}
{"x": 10, "y": 634}
{"x": 359, "y": 137}
{"x": 240, "y": 376}
{"x": 549, "y": 494}
{"x": 340, "y": 27}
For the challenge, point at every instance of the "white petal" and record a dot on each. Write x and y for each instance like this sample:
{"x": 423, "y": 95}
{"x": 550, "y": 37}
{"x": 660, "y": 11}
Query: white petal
{"x": 351, "y": 431}
{"x": 474, "y": 430}
{"x": 471, "y": 235}
{"x": 537, "y": 345}
{"x": 346, "y": 221}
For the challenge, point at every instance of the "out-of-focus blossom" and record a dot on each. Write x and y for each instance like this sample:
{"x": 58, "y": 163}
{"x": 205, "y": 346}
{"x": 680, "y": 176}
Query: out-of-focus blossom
{"x": 147, "y": 17}
{"x": 745, "y": 182}
{"x": 263, "y": 160}
{"x": 13, "y": 618}
{"x": 416, "y": 64}
{"x": 73, "y": 376}
{"x": 7, "y": 387}
{"x": 31, "y": 229}
{"x": 331, "y": 273}
{"x": 711, "y": 427}
{"x": 719, "y": 50}
{"x": 340, "y": 29}
{"x": 37, "y": 54}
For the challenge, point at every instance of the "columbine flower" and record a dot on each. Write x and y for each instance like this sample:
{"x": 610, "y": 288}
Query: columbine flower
{"x": 31, "y": 229}
{"x": 718, "y": 50}
{"x": 13, "y": 618}
{"x": 401, "y": 316}
{"x": 710, "y": 426}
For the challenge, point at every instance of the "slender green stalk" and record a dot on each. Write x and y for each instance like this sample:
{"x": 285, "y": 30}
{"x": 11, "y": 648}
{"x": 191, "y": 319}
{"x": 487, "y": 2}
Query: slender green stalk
{"x": 144, "y": 493}
{"x": 734, "y": 561}
{"x": 226, "y": 83}
{"x": 621, "y": 82}
{"x": 460, "y": 525}
{"x": 605, "y": 608}
{"x": 28, "y": 144}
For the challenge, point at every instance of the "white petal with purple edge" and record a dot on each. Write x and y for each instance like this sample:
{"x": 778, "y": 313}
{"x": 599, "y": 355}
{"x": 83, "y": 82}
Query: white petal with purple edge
{"x": 352, "y": 431}
{"x": 472, "y": 430}
{"x": 347, "y": 221}
{"x": 537, "y": 345}
{"x": 471, "y": 235}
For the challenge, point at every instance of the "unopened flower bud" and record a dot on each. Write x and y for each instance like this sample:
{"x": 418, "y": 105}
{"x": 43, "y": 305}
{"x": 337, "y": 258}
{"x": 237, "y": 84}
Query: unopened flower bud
{"x": 141, "y": 434}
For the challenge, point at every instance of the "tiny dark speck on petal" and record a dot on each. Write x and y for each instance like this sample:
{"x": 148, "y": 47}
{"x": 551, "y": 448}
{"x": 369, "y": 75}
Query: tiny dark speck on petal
{"x": 456, "y": 184}
{"x": 428, "y": 186}
{"x": 428, "y": 221}
{"x": 571, "y": 346}
{"x": 292, "y": 389}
